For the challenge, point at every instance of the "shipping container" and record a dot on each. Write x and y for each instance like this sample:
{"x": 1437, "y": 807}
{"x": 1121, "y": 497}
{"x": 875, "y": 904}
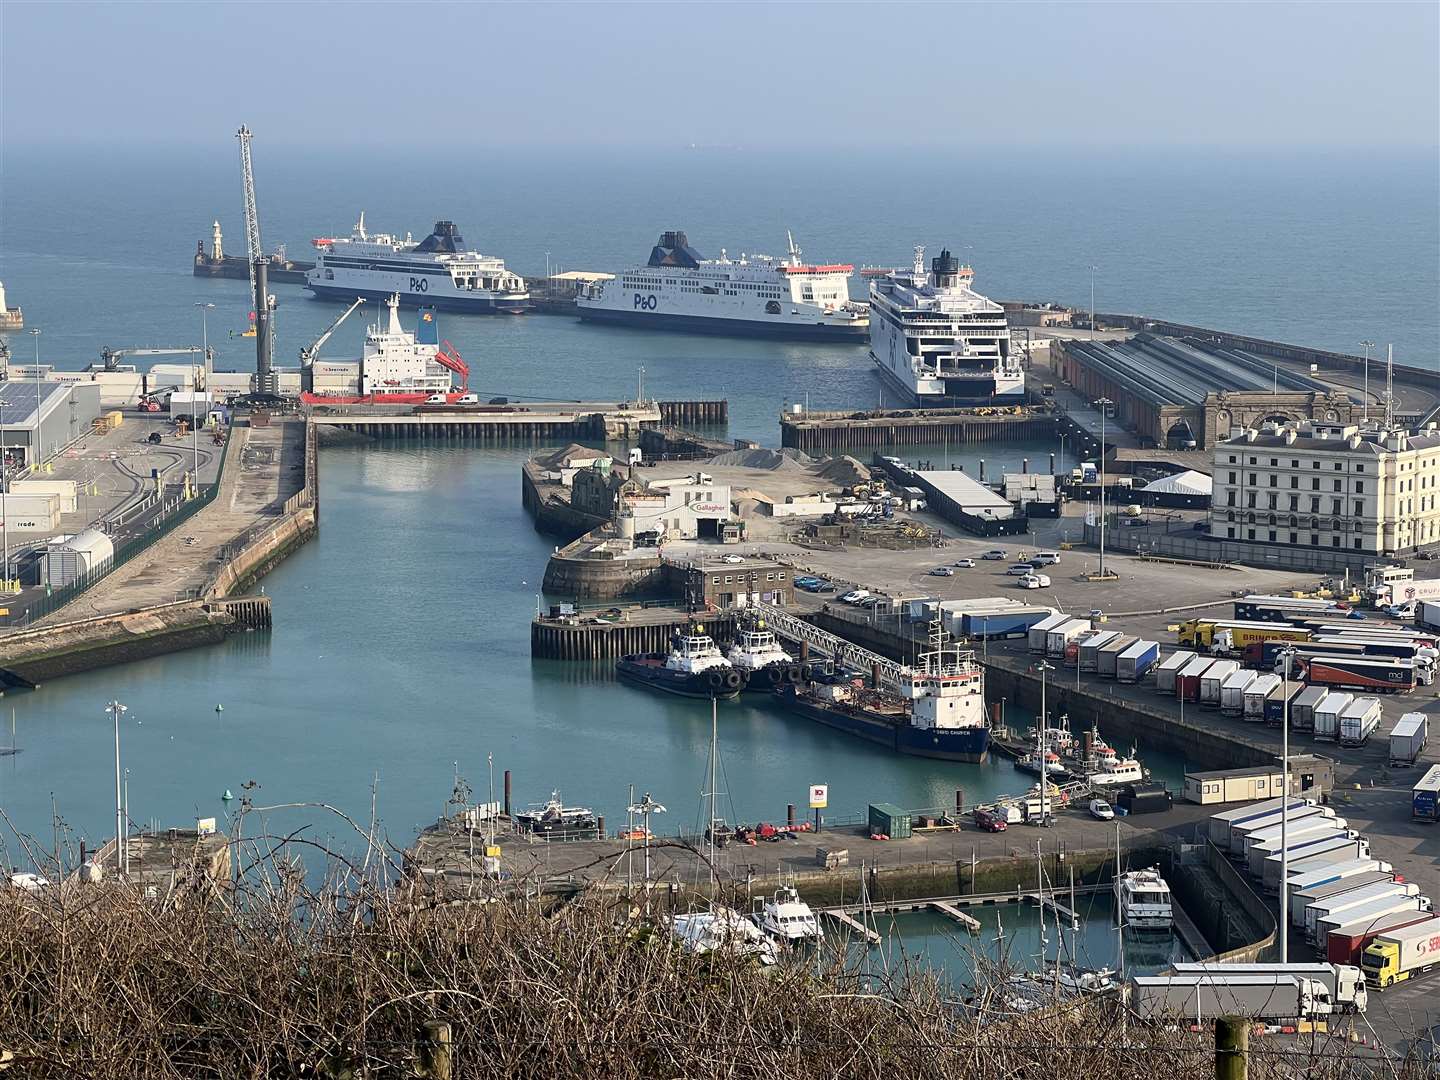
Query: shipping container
{"x": 1232, "y": 691}
{"x": 1253, "y": 706}
{"x": 1107, "y": 657}
{"x": 1168, "y": 669}
{"x": 1359, "y": 721}
{"x": 1213, "y": 678}
{"x": 1302, "y": 709}
{"x": 1408, "y": 738}
{"x": 1327, "y": 714}
{"x": 1037, "y": 633}
{"x": 1340, "y": 849}
{"x": 1323, "y": 894}
{"x": 1278, "y": 700}
{"x": 1425, "y": 796}
{"x": 1346, "y": 944}
{"x": 1059, "y": 637}
{"x": 887, "y": 819}
{"x": 1136, "y": 661}
{"x": 1187, "y": 683}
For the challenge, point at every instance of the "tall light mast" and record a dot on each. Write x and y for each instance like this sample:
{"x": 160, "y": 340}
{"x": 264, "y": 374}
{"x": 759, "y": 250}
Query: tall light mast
{"x": 259, "y": 275}
{"x": 253, "y": 251}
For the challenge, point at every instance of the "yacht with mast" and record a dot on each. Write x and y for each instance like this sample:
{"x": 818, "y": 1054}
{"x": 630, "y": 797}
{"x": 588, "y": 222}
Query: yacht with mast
{"x": 939, "y": 342}
{"x": 753, "y": 296}
{"x": 437, "y": 272}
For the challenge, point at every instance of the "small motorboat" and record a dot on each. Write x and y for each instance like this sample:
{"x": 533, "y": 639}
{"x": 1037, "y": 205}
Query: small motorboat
{"x": 786, "y": 917}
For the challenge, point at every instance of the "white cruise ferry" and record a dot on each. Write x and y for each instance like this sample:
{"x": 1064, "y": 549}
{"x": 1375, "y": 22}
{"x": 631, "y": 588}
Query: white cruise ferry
{"x": 938, "y": 341}
{"x": 437, "y": 272}
{"x": 754, "y": 296}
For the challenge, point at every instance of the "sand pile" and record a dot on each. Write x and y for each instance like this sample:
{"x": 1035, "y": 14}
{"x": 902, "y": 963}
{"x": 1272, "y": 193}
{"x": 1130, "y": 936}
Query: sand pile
{"x": 845, "y": 471}
{"x": 769, "y": 460}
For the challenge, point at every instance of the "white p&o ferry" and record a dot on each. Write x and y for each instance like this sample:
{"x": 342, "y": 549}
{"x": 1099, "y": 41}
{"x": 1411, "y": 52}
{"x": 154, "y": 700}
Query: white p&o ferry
{"x": 437, "y": 272}
{"x": 938, "y": 341}
{"x": 754, "y": 296}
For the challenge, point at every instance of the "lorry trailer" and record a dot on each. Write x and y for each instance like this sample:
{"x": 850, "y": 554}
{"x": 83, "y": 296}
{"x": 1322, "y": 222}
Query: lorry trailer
{"x": 1057, "y": 638}
{"x": 1338, "y": 849}
{"x": 1265, "y": 654}
{"x": 1361, "y": 673}
{"x": 1036, "y": 635}
{"x": 1253, "y": 706}
{"x": 1213, "y": 679}
{"x": 1187, "y": 683}
{"x": 1369, "y": 914}
{"x": 1278, "y": 700}
{"x": 1350, "y": 901}
{"x": 1302, "y": 709}
{"x": 1346, "y": 944}
{"x": 1003, "y": 624}
{"x": 1425, "y": 796}
{"x": 1107, "y": 657}
{"x": 1227, "y": 636}
{"x": 1408, "y": 738}
{"x": 1305, "y": 841}
{"x": 1084, "y": 651}
{"x": 1346, "y": 982}
{"x": 1359, "y": 721}
{"x": 1318, "y": 894}
{"x": 1134, "y": 662}
{"x": 1168, "y": 670}
{"x": 1232, "y": 691}
{"x": 1205, "y": 997}
{"x": 1397, "y": 955}
{"x": 1240, "y": 830}
{"x": 1220, "y": 824}
{"x": 1313, "y": 878}
{"x": 1327, "y": 714}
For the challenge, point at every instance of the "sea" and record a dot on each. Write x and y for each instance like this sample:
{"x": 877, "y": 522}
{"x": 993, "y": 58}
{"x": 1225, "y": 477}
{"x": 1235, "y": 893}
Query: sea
{"x": 399, "y": 661}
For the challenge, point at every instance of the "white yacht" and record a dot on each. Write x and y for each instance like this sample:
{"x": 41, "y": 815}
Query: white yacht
{"x": 1143, "y": 900}
{"x": 765, "y": 664}
{"x": 722, "y": 929}
{"x": 753, "y": 296}
{"x": 786, "y": 917}
{"x": 438, "y": 271}
{"x": 939, "y": 342}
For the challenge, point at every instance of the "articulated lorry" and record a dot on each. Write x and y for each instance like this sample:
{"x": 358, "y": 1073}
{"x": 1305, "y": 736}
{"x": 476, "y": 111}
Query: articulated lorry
{"x": 1346, "y": 944}
{"x": 1397, "y": 955}
{"x": 1346, "y": 982}
{"x": 1336, "y": 905}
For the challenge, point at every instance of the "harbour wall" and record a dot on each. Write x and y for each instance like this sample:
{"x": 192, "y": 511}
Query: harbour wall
{"x": 553, "y": 513}
{"x": 828, "y": 432}
{"x": 555, "y": 640}
{"x": 578, "y": 571}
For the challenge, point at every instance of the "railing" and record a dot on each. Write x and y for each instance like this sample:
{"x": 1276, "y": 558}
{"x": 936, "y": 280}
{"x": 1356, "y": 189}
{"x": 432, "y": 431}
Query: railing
{"x": 55, "y": 599}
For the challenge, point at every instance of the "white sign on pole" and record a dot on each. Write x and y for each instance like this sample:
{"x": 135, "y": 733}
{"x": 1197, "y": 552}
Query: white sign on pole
{"x": 819, "y": 796}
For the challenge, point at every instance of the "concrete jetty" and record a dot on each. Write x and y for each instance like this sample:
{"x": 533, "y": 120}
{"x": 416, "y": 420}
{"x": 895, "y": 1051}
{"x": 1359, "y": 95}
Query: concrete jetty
{"x": 822, "y": 432}
{"x": 514, "y": 421}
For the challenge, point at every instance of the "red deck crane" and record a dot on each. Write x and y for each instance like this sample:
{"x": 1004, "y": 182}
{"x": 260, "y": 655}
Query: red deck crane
{"x": 448, "y": 357}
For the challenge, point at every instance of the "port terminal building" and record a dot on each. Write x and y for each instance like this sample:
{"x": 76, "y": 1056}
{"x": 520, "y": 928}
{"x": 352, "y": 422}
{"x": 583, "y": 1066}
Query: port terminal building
{"x": 1188, "y": 393}
{"x": 39, "y": 417}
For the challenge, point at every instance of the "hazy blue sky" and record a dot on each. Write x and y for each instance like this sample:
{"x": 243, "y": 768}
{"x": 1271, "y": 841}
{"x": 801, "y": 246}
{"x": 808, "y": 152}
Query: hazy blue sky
{"x": 974, "y": 76}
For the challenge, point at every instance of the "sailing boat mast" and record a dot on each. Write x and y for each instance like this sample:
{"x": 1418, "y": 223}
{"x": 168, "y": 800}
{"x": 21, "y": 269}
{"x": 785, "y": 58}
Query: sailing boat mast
{"x": 714, "y": 752}
{"x": 1119, "y": 907}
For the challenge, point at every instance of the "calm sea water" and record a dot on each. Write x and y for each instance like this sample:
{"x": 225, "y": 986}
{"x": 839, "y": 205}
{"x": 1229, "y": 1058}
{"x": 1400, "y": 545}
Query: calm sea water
{"x": 400, "y": 650}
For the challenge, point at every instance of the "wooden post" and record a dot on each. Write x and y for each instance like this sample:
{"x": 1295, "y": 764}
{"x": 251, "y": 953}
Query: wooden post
{"x": 436, "y": 1054}
{"x": 1232, "y": 1042}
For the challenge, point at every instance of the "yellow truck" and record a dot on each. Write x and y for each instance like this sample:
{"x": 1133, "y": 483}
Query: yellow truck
{"x": 1396, "y": 955}
{"x": 1228, "y": 636}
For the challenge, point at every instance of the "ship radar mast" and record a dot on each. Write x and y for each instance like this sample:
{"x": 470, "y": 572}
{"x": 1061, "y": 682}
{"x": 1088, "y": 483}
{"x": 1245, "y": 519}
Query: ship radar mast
{"x": 394, "y": 304}
{"x": 794, "y": 249}
{"x": 919, "y": 264}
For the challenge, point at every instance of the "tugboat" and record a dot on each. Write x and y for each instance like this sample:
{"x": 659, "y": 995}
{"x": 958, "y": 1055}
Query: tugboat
{"x": 1053, "y": 765}
{"x": 758, "y": 656}
{"x": 938, "y": 711}
{"x": 694, "y": 667}
{"x": 1143, "y": 899}
{"x": 553, "y": 816}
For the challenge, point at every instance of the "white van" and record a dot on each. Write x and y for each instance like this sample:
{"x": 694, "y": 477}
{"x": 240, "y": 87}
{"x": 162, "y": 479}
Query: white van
{"x": 1045, "y": 558}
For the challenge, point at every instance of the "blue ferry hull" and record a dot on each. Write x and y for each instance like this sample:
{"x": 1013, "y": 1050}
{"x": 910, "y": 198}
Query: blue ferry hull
{"x": 700, "y": 324}
{"x": 970, "y": 745}
{"x": 480, "y": 305}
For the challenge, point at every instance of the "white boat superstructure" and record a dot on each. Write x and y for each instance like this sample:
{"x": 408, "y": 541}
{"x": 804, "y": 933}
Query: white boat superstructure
{"x": 938, "y": 341}
{"x": 722, "y": 929}
{"x": 786, "y": 917}
{"x": 694, "y": 654}
{"x": 947, "y": 686}
{"x": 756, "y": 649}
{"x": 755, "y": 295}
{"x": 1104, "y": 767}
{"x": 393, "y": 361}
{"x": 438, "y": 271}
{"x": 1143, "y": 900}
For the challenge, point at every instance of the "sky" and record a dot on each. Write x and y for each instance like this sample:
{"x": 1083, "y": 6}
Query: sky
{"x": 752, "y": 75}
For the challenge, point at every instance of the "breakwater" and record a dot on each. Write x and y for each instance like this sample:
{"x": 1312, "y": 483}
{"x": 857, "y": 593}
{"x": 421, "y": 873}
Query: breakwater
{"x": 825, "y": 432}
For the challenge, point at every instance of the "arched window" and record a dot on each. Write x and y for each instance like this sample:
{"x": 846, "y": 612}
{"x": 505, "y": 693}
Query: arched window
{"x": 1230, "y": 515}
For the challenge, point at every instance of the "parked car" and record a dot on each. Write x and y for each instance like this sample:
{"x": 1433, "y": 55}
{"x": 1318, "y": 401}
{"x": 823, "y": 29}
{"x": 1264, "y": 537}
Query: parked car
{"x": 1354, "y": 614}
{"x": 942, "y": 571}
{"x": 994, "y": 554}
{"x": 1034, "y": 581}
{"x": 1101, "y": 809}
{"x": 468, "y": 399}
{"x": 824, "y": 587}
{"x": 871, "y": 601}
{"x": 1020, "y": 569}
{"x": 854, "y": 597}
{"x": 1045, "y": 558}
{"x": 963, "y": 564}
{"x": 732, "y": 558}
{"x": 986, "y": 821}
{"x": 1096, "y": 615}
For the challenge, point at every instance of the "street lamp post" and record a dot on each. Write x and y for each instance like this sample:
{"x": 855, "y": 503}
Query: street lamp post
{"x": 1367, "y": 345}
{"x": 1286, "y": 656}
{"x": 205, "y": 359}
{"x": 645, "y": 807}
{"x": 35, "y": 337}
{"x": 1104, "y": 406}
{"x": 1040, "y": 726}
{"x": 116, "y": 710}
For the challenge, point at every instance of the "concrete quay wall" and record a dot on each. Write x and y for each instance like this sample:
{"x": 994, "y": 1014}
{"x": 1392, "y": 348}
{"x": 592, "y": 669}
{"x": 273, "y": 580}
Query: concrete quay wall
{"x": 549, "y": 505}
{"x": 572, "y": 571}
{"x": 554, "y": 640}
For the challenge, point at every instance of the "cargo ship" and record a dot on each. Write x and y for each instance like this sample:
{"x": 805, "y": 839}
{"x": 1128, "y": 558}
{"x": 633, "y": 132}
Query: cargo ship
{"x": 938, "y": 713}
{"x": 216, "y": 264}
{"x": 694, "y": 667}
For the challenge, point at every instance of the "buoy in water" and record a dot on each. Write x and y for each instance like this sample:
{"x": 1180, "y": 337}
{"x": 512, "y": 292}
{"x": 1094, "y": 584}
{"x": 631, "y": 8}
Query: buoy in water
{"x": 219, "y": 708}
{"x": 227, "y": 797}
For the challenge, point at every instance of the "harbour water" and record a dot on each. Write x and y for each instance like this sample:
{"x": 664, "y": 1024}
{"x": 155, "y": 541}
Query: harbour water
{"x": 400, "y": 649}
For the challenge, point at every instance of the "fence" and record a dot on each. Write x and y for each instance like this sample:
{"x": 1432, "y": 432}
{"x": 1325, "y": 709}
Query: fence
{"x": 55, "y": 599}
{"x": 1152, "y": 540}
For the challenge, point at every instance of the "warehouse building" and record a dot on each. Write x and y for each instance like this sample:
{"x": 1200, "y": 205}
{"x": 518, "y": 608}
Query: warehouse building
{"x": 1330, "y": 486}
{"x": 39, "y": 418}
